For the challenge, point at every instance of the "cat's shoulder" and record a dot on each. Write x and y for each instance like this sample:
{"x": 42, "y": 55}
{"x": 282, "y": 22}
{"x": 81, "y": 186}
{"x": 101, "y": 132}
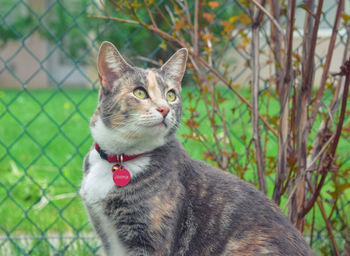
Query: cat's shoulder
{"x": 217, "y": 176}
{"x": 227, "y": 188}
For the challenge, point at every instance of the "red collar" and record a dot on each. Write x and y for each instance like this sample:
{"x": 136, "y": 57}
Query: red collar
{"x": 115, "y": 158}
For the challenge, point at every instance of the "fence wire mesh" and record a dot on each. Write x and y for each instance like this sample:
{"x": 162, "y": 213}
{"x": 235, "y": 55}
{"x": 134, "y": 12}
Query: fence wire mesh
{"x": 49, "y": 87}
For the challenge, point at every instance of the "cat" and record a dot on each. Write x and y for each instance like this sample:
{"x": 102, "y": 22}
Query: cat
{"x": 163, "y": 202}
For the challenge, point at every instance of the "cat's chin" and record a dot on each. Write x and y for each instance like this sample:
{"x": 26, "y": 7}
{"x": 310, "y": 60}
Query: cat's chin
{"x": 121, "y": 141}
{"x": 161, "y": 125}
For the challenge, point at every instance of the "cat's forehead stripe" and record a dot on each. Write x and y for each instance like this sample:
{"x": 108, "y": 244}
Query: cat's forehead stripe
{"x": 154, "y": 88}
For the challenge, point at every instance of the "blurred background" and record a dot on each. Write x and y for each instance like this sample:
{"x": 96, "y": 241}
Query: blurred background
{"x": 48, "y": 91}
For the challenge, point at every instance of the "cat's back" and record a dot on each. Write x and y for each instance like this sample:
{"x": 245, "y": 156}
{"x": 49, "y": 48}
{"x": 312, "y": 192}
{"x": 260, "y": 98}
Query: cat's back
{"x": 232, "y": 211}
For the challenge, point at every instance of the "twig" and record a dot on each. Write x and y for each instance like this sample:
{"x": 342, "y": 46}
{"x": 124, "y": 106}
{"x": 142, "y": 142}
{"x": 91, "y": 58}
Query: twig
{"x": 270, "y": 17}
{"x": 150, "y": 14}
{"x": 184, "y": 7}
{"x": 162, "y": 14}
{"x": 227, "y": 43}
{"x": 121, "y": 8}
{"x": 154, "y": 62}
{"x": 328, "y": 223}
{"x": 289, "y": 197}
{"x": 196, "y": 36}
{"x": 319, "y": 153}
{"x": 327, "y": 63}
{"x": 312, "y": 227}
{"x": 132, "y": 10}
{"x": 223, "y": 120}
{"x": 255, "y": 106}
{"x": 334, "y": 103}
{"x": 329, "y": 227}
{"x": 244, "y": 100}
{"x": 172, "y": 18}
{"x": 302, "y": 132}
{"x": 116, "y": 19}
{"x": 345, "y": 70}
{"x": 276, "y": 45}
{"x": 282, "y": 168}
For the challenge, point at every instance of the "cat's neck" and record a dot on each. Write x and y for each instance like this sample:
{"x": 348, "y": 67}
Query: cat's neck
{"x": 121, "y": 141}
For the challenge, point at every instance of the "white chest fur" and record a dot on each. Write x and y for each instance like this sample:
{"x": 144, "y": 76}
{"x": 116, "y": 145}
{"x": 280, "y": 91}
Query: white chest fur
{"x": 95, "y": 186}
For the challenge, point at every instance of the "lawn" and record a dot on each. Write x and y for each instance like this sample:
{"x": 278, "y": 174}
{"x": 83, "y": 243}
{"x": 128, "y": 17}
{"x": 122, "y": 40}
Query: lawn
{"x": 44, "y": 137}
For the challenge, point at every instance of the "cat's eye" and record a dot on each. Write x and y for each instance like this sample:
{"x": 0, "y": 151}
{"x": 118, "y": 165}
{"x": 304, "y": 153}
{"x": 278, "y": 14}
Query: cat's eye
{"x": 171, "y": 95}
{"x": 140, "y": 93}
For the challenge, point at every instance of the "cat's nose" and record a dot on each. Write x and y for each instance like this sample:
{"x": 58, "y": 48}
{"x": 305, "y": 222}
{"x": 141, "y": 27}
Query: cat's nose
{"x": 164, "y": 110}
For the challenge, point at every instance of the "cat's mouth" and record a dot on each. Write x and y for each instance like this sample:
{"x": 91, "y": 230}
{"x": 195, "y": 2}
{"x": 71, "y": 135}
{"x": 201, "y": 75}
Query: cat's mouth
{"x": 161, "y": 124}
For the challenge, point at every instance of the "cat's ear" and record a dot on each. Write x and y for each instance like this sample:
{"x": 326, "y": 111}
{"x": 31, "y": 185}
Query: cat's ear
{"x": 175, "y": 67}
{"x": 111, "y": 65}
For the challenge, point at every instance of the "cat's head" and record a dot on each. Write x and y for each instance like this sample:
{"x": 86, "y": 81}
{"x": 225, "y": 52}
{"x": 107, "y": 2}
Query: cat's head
{"x": 137, "y": 106}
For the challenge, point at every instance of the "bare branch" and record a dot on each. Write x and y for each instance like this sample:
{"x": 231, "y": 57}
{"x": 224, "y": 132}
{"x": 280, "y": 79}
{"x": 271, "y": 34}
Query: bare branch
{"x": 329, "y": 227}
{"x": 276, "y": 45}
{"x": 154, "y": 62}
{"x": 303, "y": 98}
{"x": 345, "y": 70}
{"x": 159, "y": 11}
{"x": 255, "y": 100}
{"x": 277, "y": 25}
{"x": 283, "y": 129}
{"x": 196, "y": 35}
{"x": 328, "y": 62}
{"x": 150, "y": 14}
{"x": 244, "y": 100}
{"x": 116, "y": 19}
{"x": 319, "y": 153}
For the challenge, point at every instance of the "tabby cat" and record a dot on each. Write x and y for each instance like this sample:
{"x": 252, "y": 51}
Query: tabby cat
{"x": 146, "y": 196}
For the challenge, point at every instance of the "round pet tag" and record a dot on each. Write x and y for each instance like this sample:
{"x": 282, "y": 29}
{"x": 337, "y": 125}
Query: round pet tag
{"x": 121, "y": 176}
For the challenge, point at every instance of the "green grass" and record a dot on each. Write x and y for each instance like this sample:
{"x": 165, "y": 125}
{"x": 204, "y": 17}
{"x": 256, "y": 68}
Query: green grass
{"x": 44, "y": 137}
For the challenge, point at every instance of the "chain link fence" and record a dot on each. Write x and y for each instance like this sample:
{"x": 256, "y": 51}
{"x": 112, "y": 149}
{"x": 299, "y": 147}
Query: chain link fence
{"x": 48, "y": 91}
